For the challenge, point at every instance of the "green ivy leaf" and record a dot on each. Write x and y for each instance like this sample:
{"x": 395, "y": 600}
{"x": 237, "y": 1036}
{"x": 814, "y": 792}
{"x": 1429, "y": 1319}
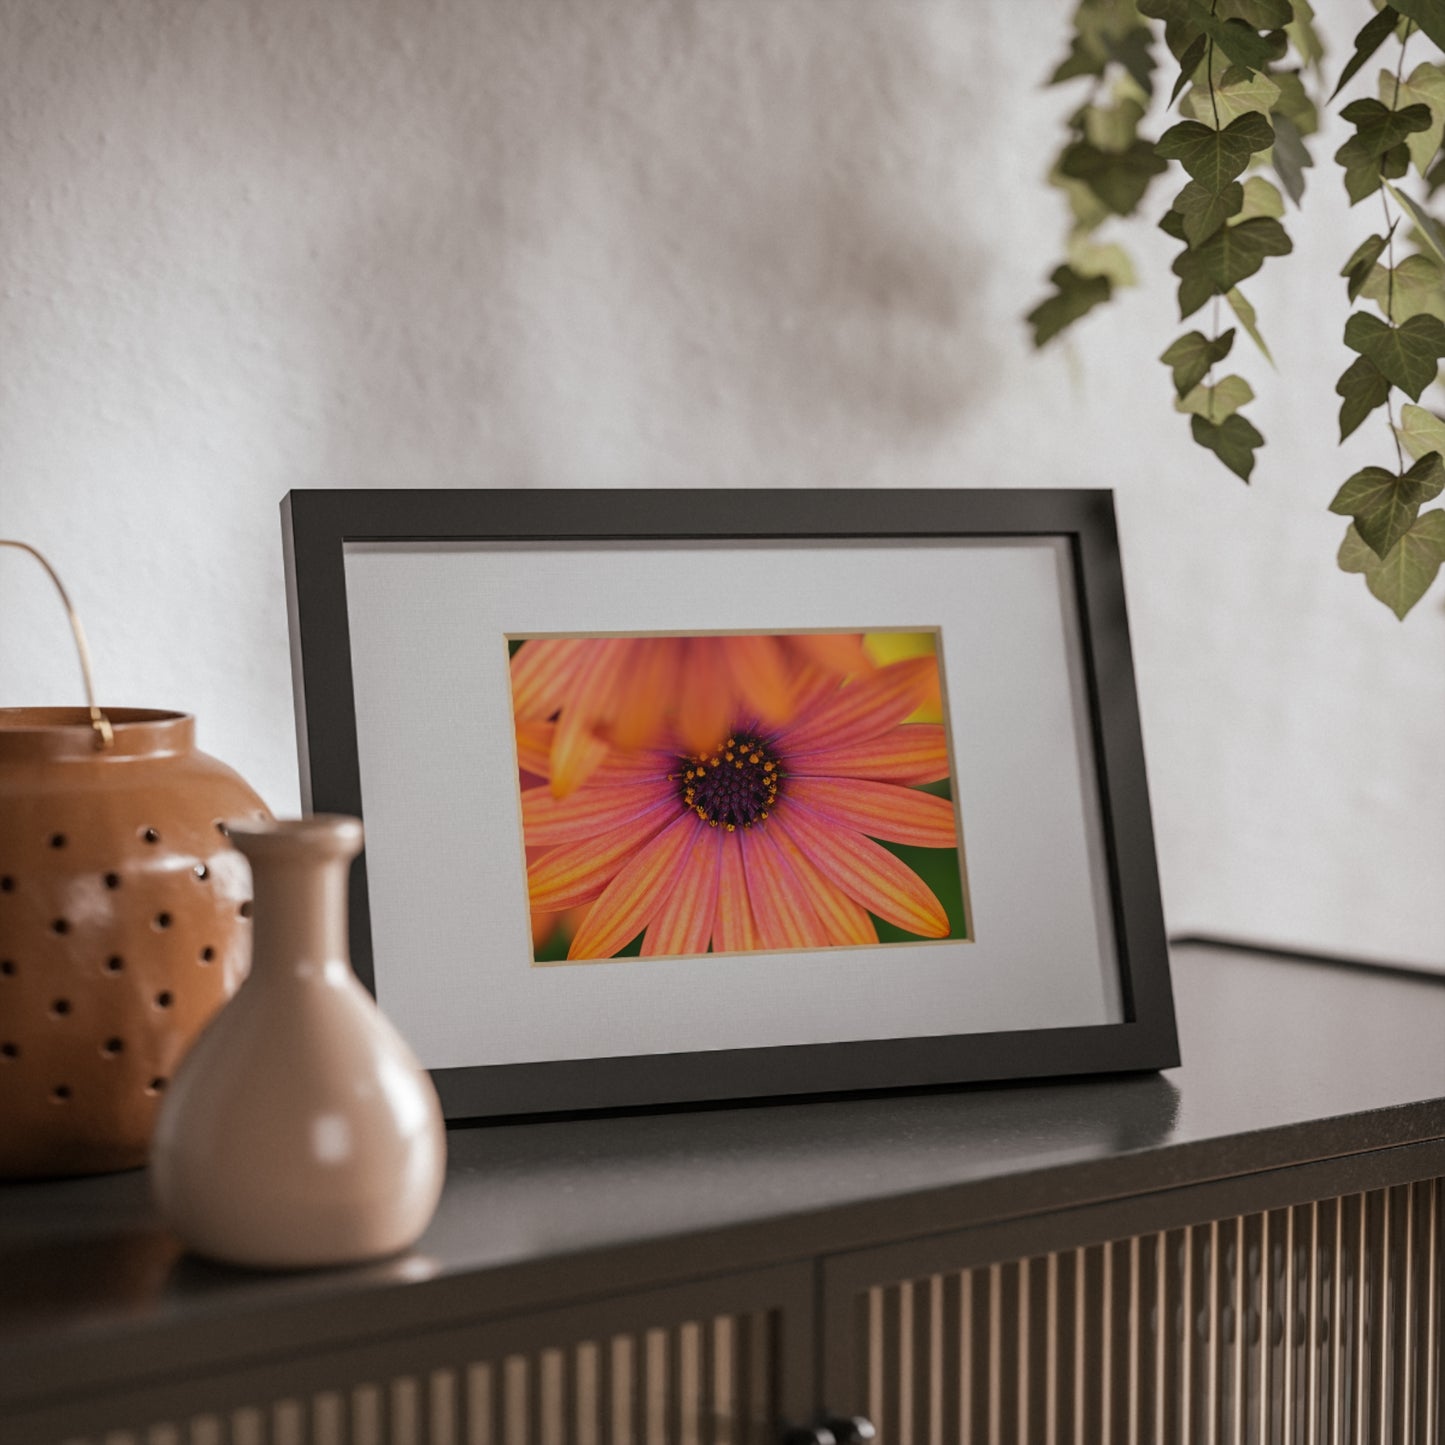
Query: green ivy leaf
{"x": 1189, "y": 62}
{"x": 1290, "y": 156}
{"x": 1294, "y": 101}
{"x": 1362, "y": 261}
{"x": 1102, "y": 29}
{"x": 1426, "y": 86}
{"x": 1420, "y": 431}
{"x": 1113, "y": 127}
{"x": 1403, "y": 577}
{"x": 1260, "y": 199}
{"x": 1418, "y": 289}
{"x": 1234, "y": 441}
{"x": 1407, "y": 355}
{"x": 1118, "y": 178}
{"x": 1303, "y": 35}
{"x": 1428, "y": 226}
{"x": 1371, "y": 37}
{"x": 1241, "y": 90}
{"x": 1172, "y": 224}
{"x": 1383, "y": 505}
{"x": 1429, "y": 15}
{"x": 1245, "y": 312}
{"x": 1363, "y": 388}
{"x": 1075, "y": 296}
{"x": 1205, "y": 211}
{"x": 1216, "y": 157}
{"x": 1111, "y": 261}
{"x": 1215, "y": 403}
{"x": 1241, "y": 42}
{"x": 1228, "y": 256}
{"x": 1182, "y": 29}
{"x": 1190, "y": 357}
{"x": 1262, "y": 14}
{"x": 1377, "y": 148}
{"x": 1134, "y": 51}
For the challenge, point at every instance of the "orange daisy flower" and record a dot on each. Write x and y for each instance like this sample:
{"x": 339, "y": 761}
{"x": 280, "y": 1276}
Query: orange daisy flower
{"x": 635, "y": 692}
{"x": 765, "y": 840}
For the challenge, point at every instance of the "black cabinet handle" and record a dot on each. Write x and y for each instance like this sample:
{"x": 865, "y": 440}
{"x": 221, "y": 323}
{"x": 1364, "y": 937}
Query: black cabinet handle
{"x": 850, "y": 1429}
{"x": 834, "y": 1430}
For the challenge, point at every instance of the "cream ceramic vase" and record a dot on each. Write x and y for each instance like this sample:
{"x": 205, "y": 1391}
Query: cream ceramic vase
{"x": 300, "y": 1130}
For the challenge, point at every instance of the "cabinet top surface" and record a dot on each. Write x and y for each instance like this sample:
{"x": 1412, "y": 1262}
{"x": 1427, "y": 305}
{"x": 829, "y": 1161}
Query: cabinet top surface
{"x": 1285, "y": 1062}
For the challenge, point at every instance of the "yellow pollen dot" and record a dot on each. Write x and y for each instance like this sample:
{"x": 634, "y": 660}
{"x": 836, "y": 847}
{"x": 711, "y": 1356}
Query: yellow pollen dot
{"x": 732, "y": 827}
{"x": 753, "y": 758}
{"x": 768, "y": 767}
{"x": 712, "y": 822}
{"x": 732, "y": 742}
{"x": 763, "y": 814}
{"x": 729, "y": 757}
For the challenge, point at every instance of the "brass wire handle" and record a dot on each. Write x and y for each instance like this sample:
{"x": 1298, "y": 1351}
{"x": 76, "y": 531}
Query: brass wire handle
{"x": 104, "y": 734}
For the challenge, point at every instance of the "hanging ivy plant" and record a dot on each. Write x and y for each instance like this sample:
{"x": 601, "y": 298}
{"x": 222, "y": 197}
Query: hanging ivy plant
{"x": 1244, "y": 72}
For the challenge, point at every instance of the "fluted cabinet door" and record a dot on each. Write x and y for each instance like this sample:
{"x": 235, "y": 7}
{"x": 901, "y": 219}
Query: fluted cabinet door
{"x": 720, "y": 1361}
{"x": 1293, "y": 1325}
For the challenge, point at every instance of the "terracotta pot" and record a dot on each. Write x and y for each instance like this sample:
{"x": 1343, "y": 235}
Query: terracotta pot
{"x": 124, "y": 925}
{"x": 300, "y": 1129}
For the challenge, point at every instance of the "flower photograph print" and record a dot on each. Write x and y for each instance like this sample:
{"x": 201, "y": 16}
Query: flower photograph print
{"x": 685, "y": 795}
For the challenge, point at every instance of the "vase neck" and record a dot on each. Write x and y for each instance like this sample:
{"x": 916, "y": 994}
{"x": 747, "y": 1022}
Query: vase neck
{"x": 299, "y": 870}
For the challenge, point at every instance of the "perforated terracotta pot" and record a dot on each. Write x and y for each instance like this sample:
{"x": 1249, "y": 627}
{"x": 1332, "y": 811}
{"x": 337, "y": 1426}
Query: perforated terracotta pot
{"x": 124, "y": 914}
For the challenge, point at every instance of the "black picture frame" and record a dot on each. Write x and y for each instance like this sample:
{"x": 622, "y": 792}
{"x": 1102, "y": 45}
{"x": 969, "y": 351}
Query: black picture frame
{"x": 317, "y": 525}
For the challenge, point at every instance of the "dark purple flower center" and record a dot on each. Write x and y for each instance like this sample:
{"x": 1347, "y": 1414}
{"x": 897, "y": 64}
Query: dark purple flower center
{"x": 733, "y": 786}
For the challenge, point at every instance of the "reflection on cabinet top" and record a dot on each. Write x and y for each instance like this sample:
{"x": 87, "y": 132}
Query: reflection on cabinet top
{"x": 1285, "y": 1062}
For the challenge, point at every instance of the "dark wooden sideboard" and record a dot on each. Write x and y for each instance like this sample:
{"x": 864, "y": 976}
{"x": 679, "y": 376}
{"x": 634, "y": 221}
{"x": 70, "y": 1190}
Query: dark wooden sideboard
{"x": 1247, "y": 1248}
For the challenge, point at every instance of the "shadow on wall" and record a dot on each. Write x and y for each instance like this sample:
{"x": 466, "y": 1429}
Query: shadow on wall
{"x": 712, "y": 244}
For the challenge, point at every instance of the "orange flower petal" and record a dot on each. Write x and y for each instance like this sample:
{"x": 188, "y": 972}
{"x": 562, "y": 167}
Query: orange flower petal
{"x": 734, "y": 930}
{"x": 785, "y": 917}
{"x": 534, "y": 747}
{"x": 683, "y": 924}
{"x": 645, "y": 690}
{"x": 629, "y": 903}
{"x": 577, "y": 872}
{"x": 587, "y": 813}
{"x": 704, "y": 695}
{"x": 881, "y": 810}
{"x": 866, "y": 708}
{"x": 868, "y": 872}
{"x": 578, "y": 746}
{"x": 909, "y": 753}
{"x": 844, "y": 921}
{"x": 840, "y": 653}
{"x": 760, "y": 678}
{"x": 542, "y": 675}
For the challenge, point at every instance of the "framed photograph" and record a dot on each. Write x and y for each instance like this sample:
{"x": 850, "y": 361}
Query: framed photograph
{"x": 686, "y": 795}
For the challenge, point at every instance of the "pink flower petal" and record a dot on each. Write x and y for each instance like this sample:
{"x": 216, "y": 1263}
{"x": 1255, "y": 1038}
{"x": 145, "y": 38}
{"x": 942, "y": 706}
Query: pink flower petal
{"x": 844, "y": 921}
{"x": 909, "y": 753}
{"x": 784, "y": 915}
{"x": 579, "y": 746}
{"x": 631, "y": 900}
{"x": 881, "y": 810}
{"x": 650, "y": 671}
{"x": 590, "y": 812}
{"x": 867, "y": 872}
{"x": 865, "y": 708}
{"x": 543, "y": 672}
{"x": 734, "y": 930}
{"x": 704, "y": 695}
{"x": 577, "y": 872}
{"x": 683, "y": 924}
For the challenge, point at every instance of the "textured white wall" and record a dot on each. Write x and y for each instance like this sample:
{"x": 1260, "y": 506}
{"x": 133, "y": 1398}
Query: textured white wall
{"x": 251, "y": 246}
